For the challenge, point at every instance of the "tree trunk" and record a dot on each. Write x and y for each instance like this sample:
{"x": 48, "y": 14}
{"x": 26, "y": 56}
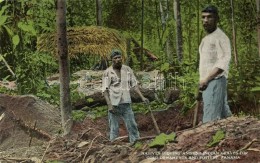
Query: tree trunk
{"x": 62, "y": 46}
{"x": 169, "y": 48}
{"x": 189, "y": 32}
{"x": 99, "y": 100}
{"x": 99, "y": 12}
{"x": 198, "y": 31}
{"x": 234, "y": 33}
{"x": 258, "y": 24}
{"x": 163, "y": 21}
{"x": 177, "y": 15}
{"x": 157, "y": 24}
{"x": 142, "y": 38}
{"x": 128, "y": 52}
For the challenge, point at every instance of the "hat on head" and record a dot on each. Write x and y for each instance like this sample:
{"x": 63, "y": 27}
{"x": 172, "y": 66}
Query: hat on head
{"x": 211, "y": 9}
{"x": 115, "y": 52}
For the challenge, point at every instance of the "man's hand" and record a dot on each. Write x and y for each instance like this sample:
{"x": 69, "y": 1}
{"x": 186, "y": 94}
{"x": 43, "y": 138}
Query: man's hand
{"x": 146, "y": 101}
{"x": 203, "y": 85}
{"x": 111, "y": 109}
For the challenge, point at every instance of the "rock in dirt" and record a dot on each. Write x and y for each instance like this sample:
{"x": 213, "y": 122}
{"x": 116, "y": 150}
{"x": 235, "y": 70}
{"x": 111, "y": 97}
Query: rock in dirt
{"x": 26, "y": 121}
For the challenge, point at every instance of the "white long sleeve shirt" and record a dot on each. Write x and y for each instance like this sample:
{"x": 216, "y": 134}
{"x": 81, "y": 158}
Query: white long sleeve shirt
{"x": 215, "y": 51}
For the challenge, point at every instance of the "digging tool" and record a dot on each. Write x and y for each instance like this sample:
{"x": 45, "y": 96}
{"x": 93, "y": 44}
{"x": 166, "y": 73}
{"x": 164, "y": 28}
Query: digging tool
{"x": 196, "y": 110}
{"x": 154, "y": 121}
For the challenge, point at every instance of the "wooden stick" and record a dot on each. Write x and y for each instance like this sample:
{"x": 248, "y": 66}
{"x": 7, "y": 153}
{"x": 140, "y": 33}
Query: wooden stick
{"x": 197, "y": 107}
{"x": 31, "y": 135}
{"x": 49, "y": 144}
{"x": 16, "y": 159}
{"x": 249, "y": 144}
{"x": 6, "y": 64}
{"x": 154, "y": 121}
{"x": 89, "y": 148}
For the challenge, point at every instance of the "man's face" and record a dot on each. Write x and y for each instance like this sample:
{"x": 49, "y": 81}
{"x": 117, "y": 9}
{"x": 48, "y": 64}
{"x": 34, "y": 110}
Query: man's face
{"x": 117, "y": 61}
{"x": 209, "y": 21}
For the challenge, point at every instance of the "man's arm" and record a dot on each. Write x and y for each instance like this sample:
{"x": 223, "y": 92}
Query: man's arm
{"x": 137, "y": 90}
{"x": 105, "y": 85}
{"x": 106, "y": 95}
{"x": 214, "y": 73}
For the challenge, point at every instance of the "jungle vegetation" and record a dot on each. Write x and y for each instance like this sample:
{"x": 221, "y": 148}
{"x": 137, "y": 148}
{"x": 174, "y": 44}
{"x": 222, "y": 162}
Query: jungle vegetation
{"x": 171, "y": 29}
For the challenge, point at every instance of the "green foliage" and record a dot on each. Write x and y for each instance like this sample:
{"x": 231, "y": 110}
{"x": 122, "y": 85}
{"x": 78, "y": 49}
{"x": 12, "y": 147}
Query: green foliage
{"x": 7, "y": 91}
{"x": 3, "y": 19}
{"x": 27, "y": 26}
{"x": 16, "y": 40}
{"x": 49, "y": 93}
{"x": 78, "y": 115}
{"x": 32, "y": 71}
{"x": 243, "y": 84}
{"x": 241, "y": 114}
{"x": 138, "y": 145}
{"x": 165, "y": 67}
{"x": 21, "y": 22}
{"x": 257, "y": 85}
{"x": 220, "y": 134}
{"x": 80, "y": 13}
{"x": 90, "y": 100}
{"x": 186, "y": 79}
{"x": 255, "y": 89}
{"x": 162, "y": 139}
{"x": 142, "y": 108}
{"x": 54, "y": 161}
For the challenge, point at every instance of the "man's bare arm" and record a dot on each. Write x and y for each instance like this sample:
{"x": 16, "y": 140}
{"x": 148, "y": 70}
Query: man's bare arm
{"x": 106, "y": 95}
{"x": 214, "y": 73}
{"x": 137, "y": 90}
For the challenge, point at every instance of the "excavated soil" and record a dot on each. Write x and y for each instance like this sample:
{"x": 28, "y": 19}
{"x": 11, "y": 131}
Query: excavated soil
{"x": 240, "y": 145}
{"x": 89, "y": 142}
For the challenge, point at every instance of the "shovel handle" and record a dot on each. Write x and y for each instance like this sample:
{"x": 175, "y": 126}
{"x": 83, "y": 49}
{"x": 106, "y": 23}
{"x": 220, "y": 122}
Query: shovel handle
{"x": 154, "y": 121}
{"x": 196, "y": 110}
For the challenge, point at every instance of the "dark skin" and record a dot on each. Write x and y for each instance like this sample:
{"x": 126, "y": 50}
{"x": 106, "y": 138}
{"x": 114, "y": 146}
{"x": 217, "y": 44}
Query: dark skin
{"x": 117, "y": 64}
{"x": 209, "y": 21}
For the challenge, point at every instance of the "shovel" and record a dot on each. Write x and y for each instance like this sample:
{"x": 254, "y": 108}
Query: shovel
{"x": 198, "y": 104}
{"x": 154, "y": 121}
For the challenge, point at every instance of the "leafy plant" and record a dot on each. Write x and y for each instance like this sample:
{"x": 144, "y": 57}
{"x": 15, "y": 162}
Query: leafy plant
{"x": 31, "y": 73}
{"x": 54, "y": 161}
{"x": 138, "y": 145}
{"x": 78, "y": 115}
{"x": 162, "y": 139}
{"x": 220, "y": 134}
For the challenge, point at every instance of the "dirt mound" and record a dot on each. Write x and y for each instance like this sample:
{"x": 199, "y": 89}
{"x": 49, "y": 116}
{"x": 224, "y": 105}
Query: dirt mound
{"x": 26, "y": 121}
{"x": 241, "y": 144}
{"x": 89, "y": 142}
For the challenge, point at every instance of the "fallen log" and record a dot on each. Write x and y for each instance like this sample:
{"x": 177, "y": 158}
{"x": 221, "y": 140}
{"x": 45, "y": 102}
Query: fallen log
{"x": 97, "y": 99}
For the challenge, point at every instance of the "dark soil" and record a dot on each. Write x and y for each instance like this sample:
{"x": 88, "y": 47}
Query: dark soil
{"x": 89, "y": 142}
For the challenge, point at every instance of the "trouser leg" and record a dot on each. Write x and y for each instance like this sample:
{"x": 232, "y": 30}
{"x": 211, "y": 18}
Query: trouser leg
{"x": 131, "y": 125}
{"x": 226, "y": 112}
{"x": 214, "y": 100}
{"x": 113, "y": 119}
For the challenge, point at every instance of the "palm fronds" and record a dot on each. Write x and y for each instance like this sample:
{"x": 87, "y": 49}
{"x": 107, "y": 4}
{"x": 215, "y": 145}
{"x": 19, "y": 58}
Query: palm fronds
{"x": 91, "y": 40}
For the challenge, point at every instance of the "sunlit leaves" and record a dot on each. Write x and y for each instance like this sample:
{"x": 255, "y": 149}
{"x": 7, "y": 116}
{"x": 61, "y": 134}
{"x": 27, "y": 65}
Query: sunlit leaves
{"x": 3, "y": 20}
{"x": 162, "y": 139}
{"x": 27, "y": 27}
{"x": 15, "y": 40}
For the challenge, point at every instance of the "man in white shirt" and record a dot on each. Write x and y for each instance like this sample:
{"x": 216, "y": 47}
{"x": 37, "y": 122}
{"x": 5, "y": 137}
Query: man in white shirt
{"x": 215, "y": 55}
{"x": 117, "y": 81}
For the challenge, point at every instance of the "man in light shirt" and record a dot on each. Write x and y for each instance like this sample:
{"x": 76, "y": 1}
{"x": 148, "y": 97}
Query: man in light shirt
{"x": 117, "y": 81}
{"x": 215, "y": 55}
